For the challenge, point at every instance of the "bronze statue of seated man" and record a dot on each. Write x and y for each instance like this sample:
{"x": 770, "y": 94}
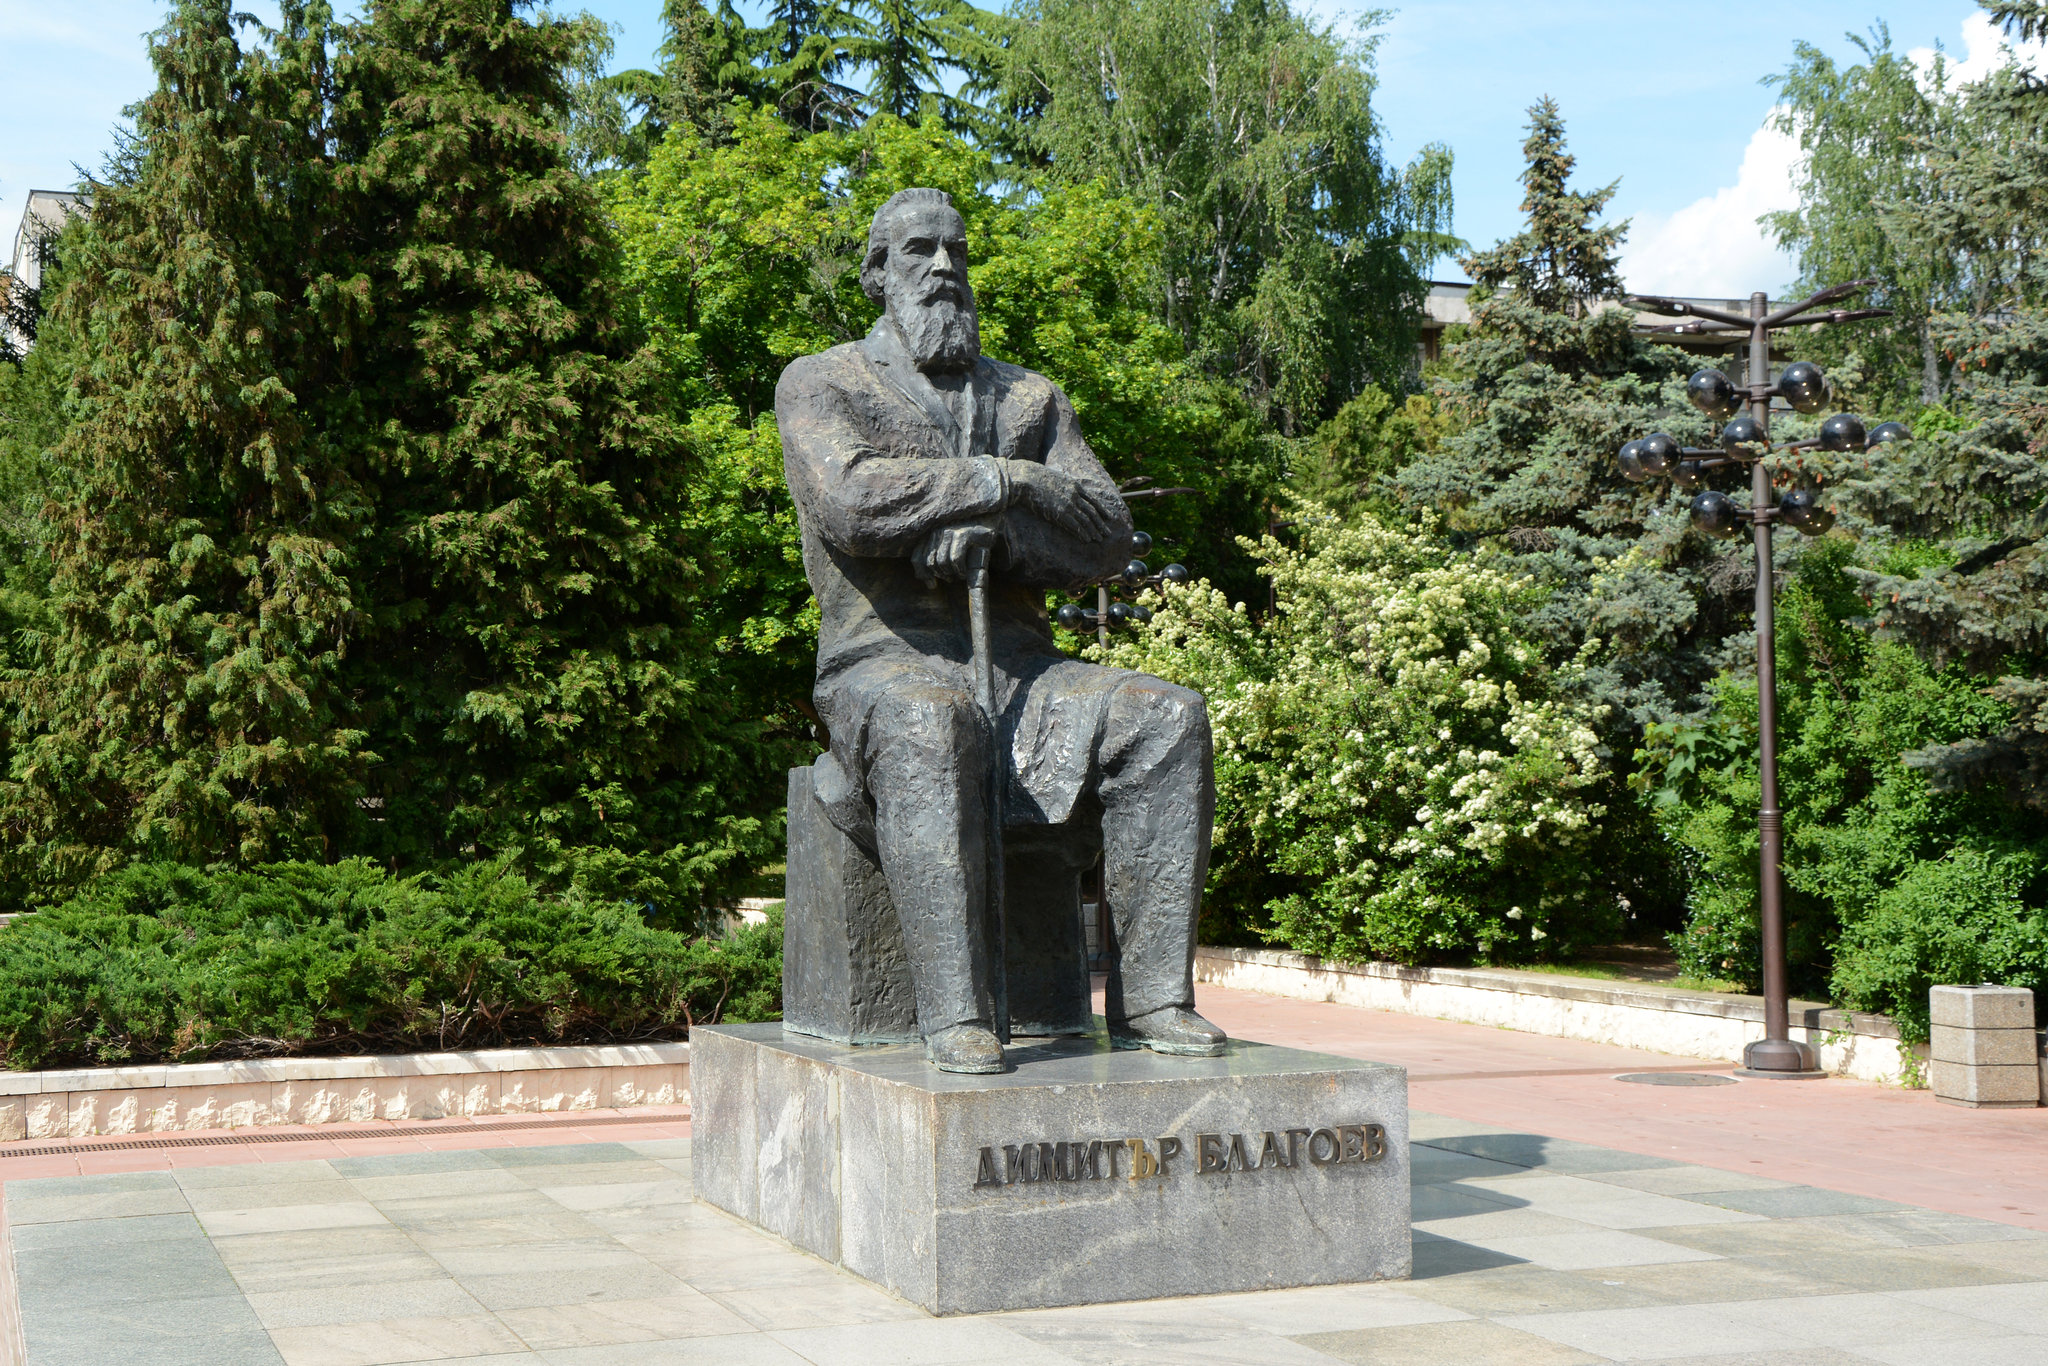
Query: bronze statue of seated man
{"x": 911, "y": 457}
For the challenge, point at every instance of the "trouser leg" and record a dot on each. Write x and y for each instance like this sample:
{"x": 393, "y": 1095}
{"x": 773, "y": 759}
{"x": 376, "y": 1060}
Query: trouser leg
{"x": 1158, "y": 799}
{"x": 927, "y": 761}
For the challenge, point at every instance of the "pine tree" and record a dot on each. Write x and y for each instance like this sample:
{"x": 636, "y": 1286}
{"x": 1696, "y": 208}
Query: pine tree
{"x": 185, "y": 699}
{"x": 1546, "y": 387}
{"x": 1957, "y": 520}
{"x": 372, "y": 540}
{"x": 535, "y": 682}
{"x": 1561, "y": 262}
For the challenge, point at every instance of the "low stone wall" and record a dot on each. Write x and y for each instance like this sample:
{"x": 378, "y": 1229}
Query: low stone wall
{"x": 1693, "y": 1024}
{"x": 228, "y": 1095}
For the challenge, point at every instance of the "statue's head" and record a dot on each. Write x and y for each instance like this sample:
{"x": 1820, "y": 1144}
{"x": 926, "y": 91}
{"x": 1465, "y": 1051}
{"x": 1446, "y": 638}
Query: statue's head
{"x": 916, "y": 268}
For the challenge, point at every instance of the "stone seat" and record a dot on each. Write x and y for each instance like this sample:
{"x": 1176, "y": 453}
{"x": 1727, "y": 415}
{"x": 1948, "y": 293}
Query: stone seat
{"x": 844, "y": 973}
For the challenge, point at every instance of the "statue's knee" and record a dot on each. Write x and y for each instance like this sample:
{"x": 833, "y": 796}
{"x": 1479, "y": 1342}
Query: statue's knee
{"x": 1165, "y": 711}
{"x": 928, "y": 714}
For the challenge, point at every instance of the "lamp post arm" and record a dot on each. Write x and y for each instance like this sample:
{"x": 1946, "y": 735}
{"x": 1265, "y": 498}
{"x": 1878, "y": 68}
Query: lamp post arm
{"x": 1825, "y": 296}
{"x": 1679, "y": 308}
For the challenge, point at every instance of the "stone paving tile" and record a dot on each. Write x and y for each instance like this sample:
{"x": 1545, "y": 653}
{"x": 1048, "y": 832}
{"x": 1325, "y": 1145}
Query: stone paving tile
{"x": 414, "y": 1163}
{"x": 560, "y": 1154}
{"x": 27, "y": 1205}
{"x": 1731, "y": 1278}
{"x": 1853, "y": 1322}
{"x": 277, "y": 1262}
{"x": 1436, "y": 1256}
{"x": 660, "y": 1147}
{"x": 229, "y": 1223}
{"x": 146, "y": 1228}
{"x": 624, "y": 1195}
{"x": 206, "y": 1331}
{"x": 490, "y": 1220}
{"x": 242, "y": 1175}
{"x": 2021, "y": 1306}
{"x": 1471, "y": 1343}
{"x": 2011, "y": 1351}
{"x": 1155, "y": 1332}
{"x": 679, "y": 1313}
{"x": 638, "y": 1171}
{"x": 1448, "y": 1201}
{"x": 1496, "y": 1222}
{"x": 1800, "y": 1356}
{"x": 1328, "y": 1308}
{"x": 927, "y": 1342}
{"x": 384, "y": 1341}
{"x": 511, "y": 1259}
{"x": 595, "y": 1254}
{"x": 545, "y": 1287}
{"x": 1924, "y": 1228}
{"x": 822, "y": 1304}
{"x": 1793, "y": 1202}
{"x": 1257, "y": 1350}
{"x": 1684, "y": 1180}
{"x": 1591, "y": 1202}
{"x": 1550, "y": 1154}
{"x": 1651, "y": 1334}
{"x": 2028, "y": 1260}
{"x": 1524, "y": 1288}
{"x": 1428, "y": 1165}
{"x": 491, "y": 1180}
{"x": 1895, "y": 1269}
{"x": 271, "y": 1195}
{"x": 354, "y": 1302}
{"x": 1593, "y": 1248}
{"x": 56, "y": 1280}
{"x": 753, "y": 1349}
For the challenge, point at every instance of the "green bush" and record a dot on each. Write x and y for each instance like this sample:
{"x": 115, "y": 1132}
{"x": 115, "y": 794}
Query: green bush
{"x": 1399, "y": 774}
{"x": 1958, "y": 921}
{"x": 166, "y": 962}
{"x": 1866, "y": 836}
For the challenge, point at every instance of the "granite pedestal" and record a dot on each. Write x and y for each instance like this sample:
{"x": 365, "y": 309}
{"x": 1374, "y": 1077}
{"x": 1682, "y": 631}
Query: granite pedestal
{"x": 1081, "y": 1175}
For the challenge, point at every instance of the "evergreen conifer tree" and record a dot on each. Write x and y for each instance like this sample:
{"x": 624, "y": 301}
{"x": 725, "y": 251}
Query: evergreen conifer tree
{"x": 1545, "y": 388}
{"x": 373, "y": 538}
{"x": 186, "y": 699}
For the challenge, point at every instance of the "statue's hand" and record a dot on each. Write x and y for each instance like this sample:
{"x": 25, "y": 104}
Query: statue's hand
{"x": 947, "y": 552}
{"x": 1065, "y": 501}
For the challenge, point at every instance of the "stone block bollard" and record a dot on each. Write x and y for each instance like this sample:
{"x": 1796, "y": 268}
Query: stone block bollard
{"x": 1984, "y": 1049}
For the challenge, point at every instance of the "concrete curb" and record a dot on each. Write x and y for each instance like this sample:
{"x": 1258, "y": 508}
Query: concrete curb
{"x": 1695, "y": 1024}
{"x": 77, "y": 1103}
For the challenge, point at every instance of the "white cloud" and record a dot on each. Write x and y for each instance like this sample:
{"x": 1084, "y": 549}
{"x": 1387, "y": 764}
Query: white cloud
{"x": 1714, "y": 246}
{"x": 1984, "y": 51}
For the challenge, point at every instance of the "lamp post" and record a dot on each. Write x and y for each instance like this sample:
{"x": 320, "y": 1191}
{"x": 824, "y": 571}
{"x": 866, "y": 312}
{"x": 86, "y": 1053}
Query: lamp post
{"x": 1746, "y": 440}
{"x": 1106, "y": 614}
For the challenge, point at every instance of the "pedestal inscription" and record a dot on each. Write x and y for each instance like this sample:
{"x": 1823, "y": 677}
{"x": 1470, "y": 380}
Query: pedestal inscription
{"x": 1082, "y": 1175}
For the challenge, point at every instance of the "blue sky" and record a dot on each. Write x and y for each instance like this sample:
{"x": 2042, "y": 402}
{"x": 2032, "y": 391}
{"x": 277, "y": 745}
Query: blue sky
{"x": 1651, "y": 95}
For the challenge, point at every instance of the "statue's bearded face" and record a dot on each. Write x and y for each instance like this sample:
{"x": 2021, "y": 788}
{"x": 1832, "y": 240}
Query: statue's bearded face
{"x": 926, "y": 289}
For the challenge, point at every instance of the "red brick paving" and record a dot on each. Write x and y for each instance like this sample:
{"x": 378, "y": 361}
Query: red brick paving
{"x": 1851, "y": 1136}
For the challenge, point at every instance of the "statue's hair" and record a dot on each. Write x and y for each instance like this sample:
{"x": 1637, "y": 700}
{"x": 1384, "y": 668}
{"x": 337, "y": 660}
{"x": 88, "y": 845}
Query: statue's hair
{"x": 875, "y": 264}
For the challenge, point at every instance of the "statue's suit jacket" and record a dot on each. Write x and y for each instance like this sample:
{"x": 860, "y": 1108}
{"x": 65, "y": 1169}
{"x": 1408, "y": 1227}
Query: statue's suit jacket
{"x": 874, "y": 471}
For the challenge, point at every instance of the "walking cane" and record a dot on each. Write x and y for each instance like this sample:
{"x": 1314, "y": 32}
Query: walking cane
{"x": 998, "y": 769}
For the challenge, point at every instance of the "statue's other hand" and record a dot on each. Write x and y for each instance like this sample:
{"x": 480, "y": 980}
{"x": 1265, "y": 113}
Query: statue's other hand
{"x": 1066, "y": 502}
{"x": 948, "y": 552}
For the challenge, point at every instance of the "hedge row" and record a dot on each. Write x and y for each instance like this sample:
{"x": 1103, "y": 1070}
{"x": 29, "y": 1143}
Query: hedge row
{"x": 162, "y": 962}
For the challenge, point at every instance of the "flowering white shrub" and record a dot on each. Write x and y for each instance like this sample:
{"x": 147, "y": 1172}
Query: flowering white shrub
{"x": 1399, "y": 773}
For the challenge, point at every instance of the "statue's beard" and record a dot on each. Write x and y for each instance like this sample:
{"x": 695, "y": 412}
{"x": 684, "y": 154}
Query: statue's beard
{"x": 942, "y": 333}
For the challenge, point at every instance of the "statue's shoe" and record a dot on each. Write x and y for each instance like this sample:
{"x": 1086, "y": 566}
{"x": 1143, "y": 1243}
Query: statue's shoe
{"x": 1170, "y": 1029}
{"x": 965, "y": 1048}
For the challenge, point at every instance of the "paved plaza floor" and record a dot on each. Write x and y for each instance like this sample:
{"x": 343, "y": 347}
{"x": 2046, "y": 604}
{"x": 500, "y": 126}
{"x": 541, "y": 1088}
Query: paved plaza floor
{"x": 1705, "y": 1226}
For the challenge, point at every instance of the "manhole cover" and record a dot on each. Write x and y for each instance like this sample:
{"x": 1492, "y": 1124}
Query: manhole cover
{"x": 1677, "y": 1078}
